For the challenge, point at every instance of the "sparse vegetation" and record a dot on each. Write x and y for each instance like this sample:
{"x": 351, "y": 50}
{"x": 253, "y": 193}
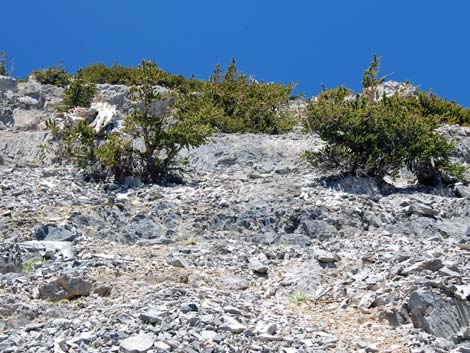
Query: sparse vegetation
{"x": 298, "y": 298}
{"x": 29, "y": 265}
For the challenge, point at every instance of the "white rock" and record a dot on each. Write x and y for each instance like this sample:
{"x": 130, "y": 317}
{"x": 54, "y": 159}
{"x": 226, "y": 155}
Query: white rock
{"x": 136, "y": 344}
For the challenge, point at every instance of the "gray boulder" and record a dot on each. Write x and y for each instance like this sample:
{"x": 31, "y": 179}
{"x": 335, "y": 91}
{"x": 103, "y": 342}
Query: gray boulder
{"x": 461, "y": 136}
{"x": 32, "y": 94}
{"x": 8, "y": 84}
{"x": 28, "y": 120}
{"x": 438, "y": 315}
{"x": 65, "y": 287}
{"x": 113, "y": 94}
{"x": 54, "y": 232}
{"x": 24, "y": 147}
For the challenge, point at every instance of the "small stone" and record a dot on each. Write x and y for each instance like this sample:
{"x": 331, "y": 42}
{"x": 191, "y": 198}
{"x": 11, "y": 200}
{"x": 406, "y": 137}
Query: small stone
{"x": 232, "y": 310}
{"x": 325, "y": 256}
{"x": 178, "y": 261}
{"x": 187, "y": 307}
{"x": 162, "y": 345}
{"x": 151, "y": 317}
{"x": 462, "y": 291}
{"x": 257, "y": 267}
{"x": 103, "y": 291}
{"x": 289, "y": 350}
{"x": 266, "y": 328}
{"x": 425, "y": 211}
{"x": 232, "y": 325}
{"x": 209, "y": 335}
{"x": 372, "y": 348}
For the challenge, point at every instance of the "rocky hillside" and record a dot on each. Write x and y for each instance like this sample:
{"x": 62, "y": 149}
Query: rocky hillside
{"x": 257, "y": 252}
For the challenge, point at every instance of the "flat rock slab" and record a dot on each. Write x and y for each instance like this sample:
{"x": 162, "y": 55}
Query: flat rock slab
{"x": 49, "y": 248}
{"x": 136, "y": 344}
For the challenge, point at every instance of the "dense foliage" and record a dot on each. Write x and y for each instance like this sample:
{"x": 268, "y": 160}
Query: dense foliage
{"x": 125, "y": 75}
{"x": 435, "y": 108}
{"x": 55, "y": 75}
{"x": 378, "y": 137}
{"x": 245, "y": 105}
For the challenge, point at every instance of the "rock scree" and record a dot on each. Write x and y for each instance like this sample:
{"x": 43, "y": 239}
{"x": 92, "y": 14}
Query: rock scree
{"x": 256, "y": 252}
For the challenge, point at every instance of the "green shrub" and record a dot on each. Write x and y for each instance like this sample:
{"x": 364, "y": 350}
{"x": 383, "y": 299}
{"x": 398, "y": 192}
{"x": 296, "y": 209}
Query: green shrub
{"x": 444, "y": 111}
{"x": 163, "y": 135}
{"x": 118, "y": 74}
{"x": 376, "y": 138}
{"x": 248, "y": 106}
{"x": 78, "y": 94}
{"x": 55, "y": 75}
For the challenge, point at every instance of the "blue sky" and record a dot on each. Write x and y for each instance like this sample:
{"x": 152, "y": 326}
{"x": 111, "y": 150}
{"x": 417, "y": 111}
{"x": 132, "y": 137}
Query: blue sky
{"x": 306, "y": 42}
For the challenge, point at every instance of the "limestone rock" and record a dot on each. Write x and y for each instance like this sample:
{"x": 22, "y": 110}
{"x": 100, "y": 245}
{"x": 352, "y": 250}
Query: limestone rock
{"x": 8, "y": 83}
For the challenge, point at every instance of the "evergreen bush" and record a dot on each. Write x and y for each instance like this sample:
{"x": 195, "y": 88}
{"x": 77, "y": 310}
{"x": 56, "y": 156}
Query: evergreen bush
{"x": 378, "y": 137}
{"x": 55, "y": 75}
{"x": 163, "y": 134}
{"x": 78, "y": 94}
{"x": 247, "y": 105}
{"x": 124, "y": 75}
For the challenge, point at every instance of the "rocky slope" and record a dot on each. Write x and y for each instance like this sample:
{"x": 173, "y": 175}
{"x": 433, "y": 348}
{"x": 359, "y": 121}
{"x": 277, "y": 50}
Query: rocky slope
{"x": 257, "y": 252}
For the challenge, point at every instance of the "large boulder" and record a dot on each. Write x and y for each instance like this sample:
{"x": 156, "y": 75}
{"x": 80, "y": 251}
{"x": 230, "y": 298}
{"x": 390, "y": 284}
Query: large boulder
{"x": 28, "y": 120}
{"x": 54, "y": 232}
{"x": 24, "y": 148}
{"x": 104, "y": 113}
{"x": 438, "y": 315}
{"x": 33, "y": 95}
{"x": 65, "y": 287}
{"x": 403, "y": 89}
{"x": 461, "y": 136}
{"x": 116, "y": 95}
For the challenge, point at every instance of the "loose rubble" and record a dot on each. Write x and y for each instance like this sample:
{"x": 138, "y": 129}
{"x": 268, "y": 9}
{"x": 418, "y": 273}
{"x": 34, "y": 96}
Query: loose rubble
{"x": 256, "y": 252}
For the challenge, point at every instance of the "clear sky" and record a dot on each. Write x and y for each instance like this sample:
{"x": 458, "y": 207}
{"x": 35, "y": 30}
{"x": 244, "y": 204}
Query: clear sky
{"x": 305, "y": 41}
